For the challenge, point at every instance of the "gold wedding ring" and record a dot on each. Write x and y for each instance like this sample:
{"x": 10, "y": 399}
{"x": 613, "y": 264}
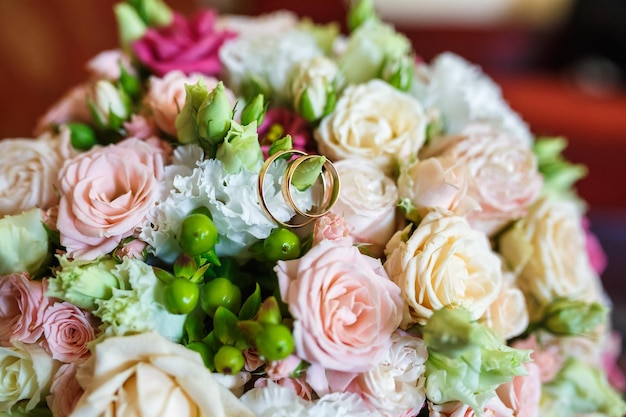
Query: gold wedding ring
{"x": 327, "y": 194}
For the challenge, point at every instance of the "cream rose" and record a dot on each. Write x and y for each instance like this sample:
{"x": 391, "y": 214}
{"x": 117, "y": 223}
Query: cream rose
{"x": 547, "y": 248}
{"x": 147, "y": 375}
{"x": 505, "y": 179}
{"x": 373, "y": 121}
{"x": 508, "y": 315}
{"x": 367, "y": 203}
{"x": 443, "y": 263}
{"x": 29, "y": 169}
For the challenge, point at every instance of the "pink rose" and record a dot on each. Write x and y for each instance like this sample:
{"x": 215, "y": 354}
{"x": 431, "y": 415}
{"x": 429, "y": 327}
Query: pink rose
{"x": 283, "y": 368}
{"x": 610, "y": 358}
{"x": 108, "y": 64}
{"x": 279, "y": 122}
{"x": 493, "y": 408}
{"x": 134, "y": 249}
{"x": 67, "y": 330}
{"x": 331, "y": 227}
{"x": 105, "y": 195}
{"x": 596, "y": 254}
{"x": 189, "y": 45}
{"x": 522, "y": 393}
{"x": 65, "y": 391}
{"x": 253, "y": 360}
{"x": 297, "y": 385}
{"x": 72, "y": 107}
{"x": 22, "y": 305}
{"x": 140, "y": 127}
{"x": 344, "y": 306}
{"x": 548, "y": 358}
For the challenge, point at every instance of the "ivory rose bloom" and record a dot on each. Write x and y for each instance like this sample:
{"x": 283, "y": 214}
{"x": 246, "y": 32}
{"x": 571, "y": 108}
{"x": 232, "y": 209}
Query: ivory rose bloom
{"x": 373, "y": 121}
{"x": 505, "y": 179}
{"x": 24, "y": 244}
{"x": 367, "y": 203}
{"x": 29, "y": 169}
{"x": 344, "y": 306}
{"x": 443, "y": 263}
{"x": 22, "y": 307}
{"x": 25, "y": 374}
{"x": 547, "y": 248}
{"x": 507, "y": 316}
{"x": 105, "y": 195}
{"x": 149, "y": 376}
{"x": 67, "y": 330}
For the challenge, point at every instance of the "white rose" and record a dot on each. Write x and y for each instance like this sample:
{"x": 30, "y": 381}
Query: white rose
{"x": 29, "y": 170}
{"x": 443, "y": 263}
{"x": 547, "y": 248}
{"x": 373, "y": 121}
{"x": 396, "y": 385}
{"x": 505, "y": 179}
{"x": 147, "y": 375}
{"x": 367, "y": 203}
{"x": 26, "y": 373}
{"x": 277, "y": 22}
{"x": 24, "y": 243}
{"x": 508, "y": 315}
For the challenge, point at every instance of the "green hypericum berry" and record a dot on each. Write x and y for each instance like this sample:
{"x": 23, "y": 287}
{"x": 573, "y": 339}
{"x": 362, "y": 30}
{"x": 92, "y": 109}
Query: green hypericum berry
{"x": 275, "y": 342}
{"x": 220, "y": 292}
{"x": 204, "y": 351}
{"x": 180, "y": 296}
{"x": 82, "y": 136}
{"x": 281, "y": 244}
{"x": 198, "y": 234}
{"x": 228, "y": 360}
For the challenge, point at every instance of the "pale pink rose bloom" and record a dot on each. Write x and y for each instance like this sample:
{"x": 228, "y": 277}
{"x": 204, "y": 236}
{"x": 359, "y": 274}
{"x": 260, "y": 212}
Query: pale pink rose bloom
{"x": 344, "y": 306}
{"x": 72, "y": 107}
{"x": 522, "y": 393}
{"x": 367, "y": 203}
{"x": 507, "y": 316}
{"x": 134, "y": 249}
{"x": 139, "y": 126}
{"x": 610, "y": 356}
{"x": 331, "y": 227}
{"x": 297, "y": 385}
{"x": 493, "y": 408}
{"x": 548, "y": 358}
{"x": 67, "y": 330}
{"x": 283, "y": 368}
{"x": 22, "y": 306}
{"x": 65, "y": 391}
{"x": 107, "y": 65}
{"x": 253, "y": 360}
{"x": 325, "y": 381}
{"x": 105, "y": 195}
{"x": 166, "y": 96}
{"x": 29, "y": 170}
{"x": 503, "y": 169}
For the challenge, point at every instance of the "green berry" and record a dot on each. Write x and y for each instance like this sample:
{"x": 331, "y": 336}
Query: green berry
{"x": 228, "y": 360}
{"x": 198, "y": 234}
{"x": 181, "y": 296}
{"x": 275, "y": 342}
{"x": 220, "y": 292}
{"x": 281, "y": 244}
{"x": 82, "y": 136}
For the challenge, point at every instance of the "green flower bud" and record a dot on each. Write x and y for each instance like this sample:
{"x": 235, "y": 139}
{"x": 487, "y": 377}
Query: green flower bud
{"x": 157, "y": 13}
{"x": 109, "y": 105}
{"x": 580, "y": 388}
{"x": 559, "y": 175}
{"x": 565, "y": 317}
{"x": 83, "y": 282}
{"x": 241, "y": 149}
{"x": 314, "y": 88}
{"x": 254, "y": 111}
{"x": 255, "y": 85}
{"x": 215, "y": 116}
{"x": 186, "y": 124}
{"x": 398, "y": 72}
{"x": 282, "y": 144}
{"x": 82, "y": 136}
{"x": 307, "y": 173}
{"x": 130, "y": 26}
{"x": 130, "y": 84}
{"x": 360, "y": 12}
{"x": 324, "y": 35}
{"x": 24, "y": 243}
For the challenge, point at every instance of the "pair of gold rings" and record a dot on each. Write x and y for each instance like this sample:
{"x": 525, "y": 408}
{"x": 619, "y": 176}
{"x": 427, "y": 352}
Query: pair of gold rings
{"x": 325, "y": 197}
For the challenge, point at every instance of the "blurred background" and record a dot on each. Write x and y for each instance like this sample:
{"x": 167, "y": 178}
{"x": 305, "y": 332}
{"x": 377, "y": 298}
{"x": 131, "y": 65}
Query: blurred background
{"x": 561, "y": 64}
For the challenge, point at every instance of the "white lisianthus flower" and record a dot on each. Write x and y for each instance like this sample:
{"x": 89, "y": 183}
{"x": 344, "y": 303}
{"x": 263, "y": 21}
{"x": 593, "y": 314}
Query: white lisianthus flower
{"x": 137, "y": 305}
{"x": 24, "y": 243}
{"x": 375, "y": 122}
{"x": 268, "y": 61}
{"x": 463, "y": 93}
{"x": 26, "y": 373}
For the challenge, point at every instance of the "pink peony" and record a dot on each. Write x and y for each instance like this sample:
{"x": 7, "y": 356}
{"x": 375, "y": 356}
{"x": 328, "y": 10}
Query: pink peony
{"x": 522, "y": 393}
{"x": 65, "y": 391}
{"x": 596, "y": 254}
{"x": 105, "y": 195}
{"x": 22, "y": 305}
{"x": 331, "y": 227}
{"x": 279, "y": 122}
{"x": 67, "y": 330}
{"x": 189, "y": 45}
{"x": 344, "y": 306}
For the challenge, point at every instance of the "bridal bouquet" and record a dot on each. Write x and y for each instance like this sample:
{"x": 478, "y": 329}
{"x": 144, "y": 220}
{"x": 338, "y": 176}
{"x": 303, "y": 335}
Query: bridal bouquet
{"x": 260, "y": 216}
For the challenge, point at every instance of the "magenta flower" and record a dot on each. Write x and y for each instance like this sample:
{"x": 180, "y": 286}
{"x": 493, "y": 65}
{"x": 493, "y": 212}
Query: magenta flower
{"x": 279, "y": 122}
{"x": 189, "y": 45}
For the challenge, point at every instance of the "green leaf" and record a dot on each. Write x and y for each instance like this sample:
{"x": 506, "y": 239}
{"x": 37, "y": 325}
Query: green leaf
{"x": 225, "y": 326}
{"x": 251, "y": 305}
{"x": 194, "y": 328}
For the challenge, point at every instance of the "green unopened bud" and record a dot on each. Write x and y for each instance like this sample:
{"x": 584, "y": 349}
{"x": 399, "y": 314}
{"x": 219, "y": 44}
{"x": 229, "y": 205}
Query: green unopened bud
{"x": 450, "y": 331}
{"x": 307, "y": 173}
{"x": 565, "y": 317}
{"x": 158, "y": 13}
{"x": 186, "y": 124}
{"x": 282, "y": 144}
{"x": 325, "y": 35}
{"x": 255, "y": 85}
{"x": 185, "y": 266}
{"x": 130, "y": 25}
{"x": 360, "y": 12}
{"x": 254, "y": 111}
{"x": 130, "y": 84}
{"x": 269, "y": 312}
{"x": 82, "y": 136}
{"x": 558, "y": 173}
{"x": 398, "y": 72}
{"x": 241, "y": 149}
{"x": 215, "y": 116}
{"x": 109, "y": 105}
{"x": 314, "y": 88}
